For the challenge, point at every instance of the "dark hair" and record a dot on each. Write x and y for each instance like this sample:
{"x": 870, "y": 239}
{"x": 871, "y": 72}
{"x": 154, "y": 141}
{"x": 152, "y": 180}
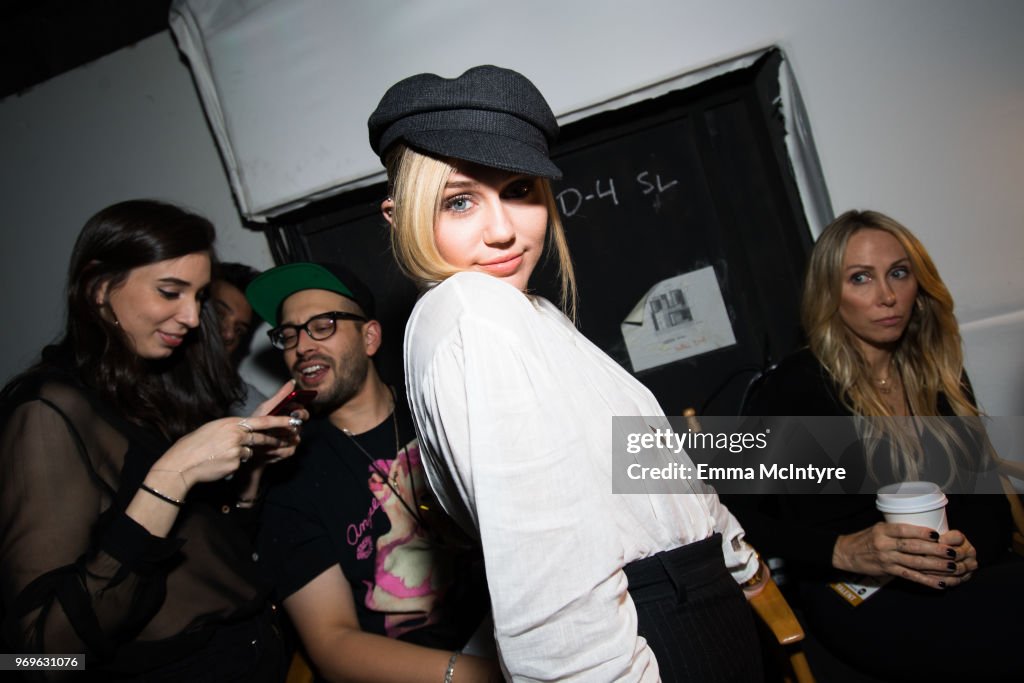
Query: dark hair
{"x": 175, "y": 394}
{"x": 237, "y": 274}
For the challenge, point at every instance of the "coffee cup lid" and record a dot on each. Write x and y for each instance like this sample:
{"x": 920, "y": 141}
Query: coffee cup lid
{"x": 910, "y": 496}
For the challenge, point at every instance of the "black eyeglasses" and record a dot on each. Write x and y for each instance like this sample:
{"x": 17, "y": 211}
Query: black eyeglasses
{"x": 319, "y": 328}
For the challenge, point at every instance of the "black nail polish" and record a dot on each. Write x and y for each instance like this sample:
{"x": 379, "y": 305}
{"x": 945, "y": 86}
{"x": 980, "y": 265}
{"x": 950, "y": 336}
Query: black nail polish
{"x": 942, "y": 584}
{"x": 934, "y": 535}
{"x": 951, "y": 566}
{"x": 951, "y": 553}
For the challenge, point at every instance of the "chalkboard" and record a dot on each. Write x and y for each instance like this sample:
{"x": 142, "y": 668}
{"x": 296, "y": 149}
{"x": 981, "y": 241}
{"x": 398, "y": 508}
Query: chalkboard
{"x": 691, "y": 179}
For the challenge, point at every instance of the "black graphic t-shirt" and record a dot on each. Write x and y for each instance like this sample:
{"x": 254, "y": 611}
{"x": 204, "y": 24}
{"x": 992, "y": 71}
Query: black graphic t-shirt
{"x": 355, "y": 501}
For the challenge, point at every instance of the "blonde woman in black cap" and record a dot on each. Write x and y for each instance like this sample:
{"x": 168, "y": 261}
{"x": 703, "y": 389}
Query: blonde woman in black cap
{"x": 514, "y": 409}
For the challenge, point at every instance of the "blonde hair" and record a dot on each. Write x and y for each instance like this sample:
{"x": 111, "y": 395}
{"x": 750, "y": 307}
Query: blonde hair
{"x": 928, "y": 357}
{"x": 417, "y": 183}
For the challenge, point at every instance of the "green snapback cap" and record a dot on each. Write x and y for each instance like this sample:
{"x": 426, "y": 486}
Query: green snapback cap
{"x": 268, "y": 291}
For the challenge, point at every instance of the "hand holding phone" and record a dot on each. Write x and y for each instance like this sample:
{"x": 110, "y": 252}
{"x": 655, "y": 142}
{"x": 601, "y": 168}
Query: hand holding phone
{"x": 298, "y": 398}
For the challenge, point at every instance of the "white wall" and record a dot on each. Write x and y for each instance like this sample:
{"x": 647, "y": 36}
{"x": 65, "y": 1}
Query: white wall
{"x": 128, "y": 125}
{"x": 917, "y": 109}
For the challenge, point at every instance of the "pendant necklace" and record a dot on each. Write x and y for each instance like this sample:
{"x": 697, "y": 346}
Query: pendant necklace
{"x": 400, "y": 450}
{"x": 392, "y": 482}
{"x": 885, "y": 384}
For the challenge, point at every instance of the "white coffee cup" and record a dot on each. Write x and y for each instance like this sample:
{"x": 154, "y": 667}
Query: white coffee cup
{"x": 914, "y": 502}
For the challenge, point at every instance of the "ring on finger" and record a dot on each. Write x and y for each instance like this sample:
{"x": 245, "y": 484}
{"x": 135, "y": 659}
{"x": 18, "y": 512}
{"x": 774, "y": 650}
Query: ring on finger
{"x": 245, "y": 425}
{"x": 246, "y": 453}
{"x": 251, "y": 442}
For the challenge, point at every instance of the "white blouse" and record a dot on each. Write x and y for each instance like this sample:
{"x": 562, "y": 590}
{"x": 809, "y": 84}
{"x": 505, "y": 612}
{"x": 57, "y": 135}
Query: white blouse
{"x": 514, "y": 410}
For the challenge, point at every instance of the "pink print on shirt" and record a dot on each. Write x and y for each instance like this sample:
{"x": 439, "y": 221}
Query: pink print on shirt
{"x": 410, "y": 574}
{"x": 365, "y": 548}
{"x": 355, "y": 532}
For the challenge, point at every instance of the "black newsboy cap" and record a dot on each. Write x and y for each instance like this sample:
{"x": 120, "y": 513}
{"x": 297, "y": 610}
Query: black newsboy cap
{"x": 488, "y": 115}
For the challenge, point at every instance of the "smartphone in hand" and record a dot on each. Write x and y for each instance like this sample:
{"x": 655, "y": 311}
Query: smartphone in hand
{"x": 298, "y": 398}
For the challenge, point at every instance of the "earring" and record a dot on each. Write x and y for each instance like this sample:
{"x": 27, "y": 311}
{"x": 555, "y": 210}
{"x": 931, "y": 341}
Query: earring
{"x": 918, "y": 304}
{"x": 106, "y": 305}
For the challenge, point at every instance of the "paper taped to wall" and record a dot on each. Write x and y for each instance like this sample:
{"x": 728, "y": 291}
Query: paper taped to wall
{"x": 677, "y": 318}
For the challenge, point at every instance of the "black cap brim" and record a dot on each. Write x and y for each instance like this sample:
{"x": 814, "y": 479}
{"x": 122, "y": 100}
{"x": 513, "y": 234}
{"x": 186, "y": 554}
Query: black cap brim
{"x": 486, "y": 149}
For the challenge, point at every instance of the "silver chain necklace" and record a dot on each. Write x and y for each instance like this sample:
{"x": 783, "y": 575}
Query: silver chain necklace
{"x": 392, "y": 482}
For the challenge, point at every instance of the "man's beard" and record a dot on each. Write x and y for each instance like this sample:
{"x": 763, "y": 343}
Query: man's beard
{"x": 349, "y": 376}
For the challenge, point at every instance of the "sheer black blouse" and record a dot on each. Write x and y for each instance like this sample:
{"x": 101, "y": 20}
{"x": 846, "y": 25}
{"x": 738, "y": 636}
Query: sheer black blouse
{"x": 77, "y": 575}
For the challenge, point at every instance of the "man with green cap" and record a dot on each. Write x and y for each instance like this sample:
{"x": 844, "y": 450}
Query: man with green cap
{"x": 349, "y": 532}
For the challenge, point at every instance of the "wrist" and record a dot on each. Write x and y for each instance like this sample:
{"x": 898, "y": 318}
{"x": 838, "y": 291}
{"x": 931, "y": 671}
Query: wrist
{"x": 160, "y": 495}
{"x": 838, "y": 556}
{"x": 248, "y": 495}
{"x": 168, "y": 480}
{"x": 243, "y": 503}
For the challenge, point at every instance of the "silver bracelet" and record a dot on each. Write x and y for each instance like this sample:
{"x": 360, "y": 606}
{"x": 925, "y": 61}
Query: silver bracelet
{"x": 451, "y": 666}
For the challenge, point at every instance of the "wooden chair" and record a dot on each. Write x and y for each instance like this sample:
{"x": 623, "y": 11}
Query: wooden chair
{"x": 298, "y": 670}
{"x": 771, "y": 607}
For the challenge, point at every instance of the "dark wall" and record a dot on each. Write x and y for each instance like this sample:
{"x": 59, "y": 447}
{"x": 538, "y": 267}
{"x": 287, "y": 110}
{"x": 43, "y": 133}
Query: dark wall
{"x": 695, "y": 178}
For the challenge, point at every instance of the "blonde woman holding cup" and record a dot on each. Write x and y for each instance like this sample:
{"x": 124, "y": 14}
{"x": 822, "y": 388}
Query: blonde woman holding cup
{"x": 884, "y": 346}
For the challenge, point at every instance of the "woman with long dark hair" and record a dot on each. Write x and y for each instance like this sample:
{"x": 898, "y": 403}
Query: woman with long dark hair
{"x": 122, "y": 507}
